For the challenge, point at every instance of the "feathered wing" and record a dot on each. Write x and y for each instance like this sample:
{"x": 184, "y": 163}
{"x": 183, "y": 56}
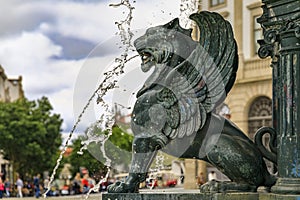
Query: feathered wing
{"x": 198, "y": 85}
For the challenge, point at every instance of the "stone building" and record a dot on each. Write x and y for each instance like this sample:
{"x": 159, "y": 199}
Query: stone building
{"x": 249, "y": 101}
{"x": 10, "y": 90}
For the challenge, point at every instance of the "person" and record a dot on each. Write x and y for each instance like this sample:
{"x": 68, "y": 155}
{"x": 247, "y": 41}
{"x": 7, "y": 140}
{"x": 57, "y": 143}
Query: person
{"x": 26, "y": 190}
{"x": 85, "y": 184}
{"x": 19, "y": 185}
{"x": 1, "y": 188}
{"x": 212, "y": 176}
{"x": 46, "y": 182}
{"x": 77, "y": 184}
{"x": 103, "y": 185}
{"x": 36, "y": 183}
{"x": 7, "y": 187}
{"x": 201, "y": 179}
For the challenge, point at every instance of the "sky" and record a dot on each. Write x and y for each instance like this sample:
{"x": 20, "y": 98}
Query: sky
{"x": 62, "y": 47}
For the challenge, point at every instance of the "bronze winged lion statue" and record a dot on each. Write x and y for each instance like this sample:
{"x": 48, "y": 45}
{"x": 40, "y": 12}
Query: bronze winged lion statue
{"x": 174, "y": 110}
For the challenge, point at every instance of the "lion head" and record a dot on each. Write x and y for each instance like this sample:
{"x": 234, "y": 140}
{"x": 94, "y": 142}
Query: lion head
{"x": 168, "y": 44}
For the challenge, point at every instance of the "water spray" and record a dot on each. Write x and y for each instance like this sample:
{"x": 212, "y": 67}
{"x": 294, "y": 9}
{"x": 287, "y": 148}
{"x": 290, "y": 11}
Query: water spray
{"x": 110, "y": 82}
{"x": 106, "y": 85}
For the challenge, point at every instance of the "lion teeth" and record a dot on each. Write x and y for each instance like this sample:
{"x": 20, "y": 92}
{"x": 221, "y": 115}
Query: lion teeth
{"x": 145, "y": 59}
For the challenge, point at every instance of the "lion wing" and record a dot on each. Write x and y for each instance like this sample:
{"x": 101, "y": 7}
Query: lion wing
{"x": 198, "y": 85}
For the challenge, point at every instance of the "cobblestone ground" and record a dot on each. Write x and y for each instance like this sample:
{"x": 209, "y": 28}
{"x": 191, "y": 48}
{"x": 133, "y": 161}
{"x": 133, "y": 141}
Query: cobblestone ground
{"x": 98, "y": 195}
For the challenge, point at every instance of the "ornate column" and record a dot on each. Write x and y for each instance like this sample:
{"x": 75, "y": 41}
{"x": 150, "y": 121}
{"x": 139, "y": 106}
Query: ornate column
{"x": 281, "y": 27}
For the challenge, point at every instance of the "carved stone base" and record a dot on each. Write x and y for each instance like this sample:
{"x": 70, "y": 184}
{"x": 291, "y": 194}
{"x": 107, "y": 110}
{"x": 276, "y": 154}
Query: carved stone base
{"x": 271, "y": 196}
{"x": 182, "y": 196}
{"x": 287, "y": 186}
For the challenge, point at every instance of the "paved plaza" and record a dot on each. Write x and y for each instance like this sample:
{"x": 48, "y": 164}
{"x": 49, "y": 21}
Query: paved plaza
{"x": 98, "y": 195}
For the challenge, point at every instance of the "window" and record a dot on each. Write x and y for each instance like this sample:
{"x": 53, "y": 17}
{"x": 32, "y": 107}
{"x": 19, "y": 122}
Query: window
{"x": 214, "y": 3}
{"x": 255, "y": 28}
{"x": 260, "y": 114}
{"x": 257, "y": 34}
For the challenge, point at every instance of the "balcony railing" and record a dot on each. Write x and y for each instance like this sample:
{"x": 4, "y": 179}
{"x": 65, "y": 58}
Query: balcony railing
{"x": 257, "y": 68}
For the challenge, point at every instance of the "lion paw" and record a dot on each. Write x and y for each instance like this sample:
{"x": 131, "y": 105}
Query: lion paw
{"x": 210, "y": 187}
{"x": 120, "y": 187}
{"x": 216, "y": 186}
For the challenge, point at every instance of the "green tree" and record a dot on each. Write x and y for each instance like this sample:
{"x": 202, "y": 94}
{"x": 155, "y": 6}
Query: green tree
{"x": 86, "y": 160}
{"x": 121, "y": 139}
{"x": 30, "y": 135}
{"x": 117, "y": 148}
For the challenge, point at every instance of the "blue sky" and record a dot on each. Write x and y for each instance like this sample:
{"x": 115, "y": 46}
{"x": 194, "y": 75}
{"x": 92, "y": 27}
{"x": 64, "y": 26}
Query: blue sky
{"x": 49, "y": 42}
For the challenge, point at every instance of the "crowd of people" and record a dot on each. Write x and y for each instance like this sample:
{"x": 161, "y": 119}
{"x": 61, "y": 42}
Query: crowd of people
{"x": 5, "y": 187}
{"x": 81, "y": 184}
{"x": 36, "y": 186}
{"x": 20, "y": 188}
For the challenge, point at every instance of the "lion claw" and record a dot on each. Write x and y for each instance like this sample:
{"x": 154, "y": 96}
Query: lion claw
{"x": 210, "y": 187}
{"x": 120, "y": 187}
{"x": 217, "y": 186}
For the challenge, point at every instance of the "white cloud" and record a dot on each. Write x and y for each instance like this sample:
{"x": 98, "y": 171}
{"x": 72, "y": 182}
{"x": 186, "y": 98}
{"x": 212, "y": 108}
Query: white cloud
{"x": 29, "y": 49}
{"x": 84, "y": 21}
{"x": 30, "y": 55}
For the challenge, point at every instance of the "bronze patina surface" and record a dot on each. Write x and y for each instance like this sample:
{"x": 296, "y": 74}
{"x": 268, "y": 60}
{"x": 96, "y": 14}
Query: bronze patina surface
{"x": 281, "y": 41}
{"x": 174, "y": 111}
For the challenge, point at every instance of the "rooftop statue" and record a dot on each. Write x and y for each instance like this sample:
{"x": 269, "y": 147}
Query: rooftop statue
{"x": 174, "y": 110}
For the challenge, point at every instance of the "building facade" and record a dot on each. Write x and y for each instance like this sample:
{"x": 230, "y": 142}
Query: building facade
{"x": 250, "y": 99}
{"x": 10, "y": 90}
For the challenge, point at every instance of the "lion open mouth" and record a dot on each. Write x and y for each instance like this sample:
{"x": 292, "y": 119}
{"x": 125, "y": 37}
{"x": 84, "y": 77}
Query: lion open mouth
{"x": 146, "y": 57}
{"x": 148, "y": 60}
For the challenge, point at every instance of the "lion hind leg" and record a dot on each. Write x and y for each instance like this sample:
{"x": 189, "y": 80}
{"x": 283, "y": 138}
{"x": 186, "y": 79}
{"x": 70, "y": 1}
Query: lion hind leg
{"x": 239, "y": 160}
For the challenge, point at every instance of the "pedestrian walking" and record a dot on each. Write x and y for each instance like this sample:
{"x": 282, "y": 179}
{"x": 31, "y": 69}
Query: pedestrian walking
{"x": 1, "y": 188}
{"x": 77, "y": 184}
{"x": 19, "y": 185}
{"x": 36, "y": 183}
{"x": 7, "y": 186}
{"x": 201, "y": 179}
{"x": 212, "y": 176}
{"x": 85, "y": 184}
{"x": 46, "y": 182}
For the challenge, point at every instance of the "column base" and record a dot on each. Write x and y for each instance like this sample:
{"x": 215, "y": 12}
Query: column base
{"x": 287, "y": 186}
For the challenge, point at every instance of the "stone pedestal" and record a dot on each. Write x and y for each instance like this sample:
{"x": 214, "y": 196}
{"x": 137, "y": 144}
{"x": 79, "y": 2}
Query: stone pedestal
{"x": 270, "y": 196}
{"x": 182, "y": 196}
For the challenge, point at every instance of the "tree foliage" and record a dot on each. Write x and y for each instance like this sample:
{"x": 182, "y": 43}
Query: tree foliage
{"x": 86, "y": 160}
{"x": 30, "y": 135}
{"x": 93, "y": 159}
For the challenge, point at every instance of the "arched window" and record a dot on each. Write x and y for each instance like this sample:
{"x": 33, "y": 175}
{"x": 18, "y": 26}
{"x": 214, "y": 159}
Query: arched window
{"x": 260, "y": 114}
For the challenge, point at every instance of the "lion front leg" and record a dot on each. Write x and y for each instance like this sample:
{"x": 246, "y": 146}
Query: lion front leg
{"x": 144, "y": 150}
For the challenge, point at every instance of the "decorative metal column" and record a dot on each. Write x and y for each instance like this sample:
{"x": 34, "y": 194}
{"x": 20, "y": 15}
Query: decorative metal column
{"x": 281, "y": 27}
